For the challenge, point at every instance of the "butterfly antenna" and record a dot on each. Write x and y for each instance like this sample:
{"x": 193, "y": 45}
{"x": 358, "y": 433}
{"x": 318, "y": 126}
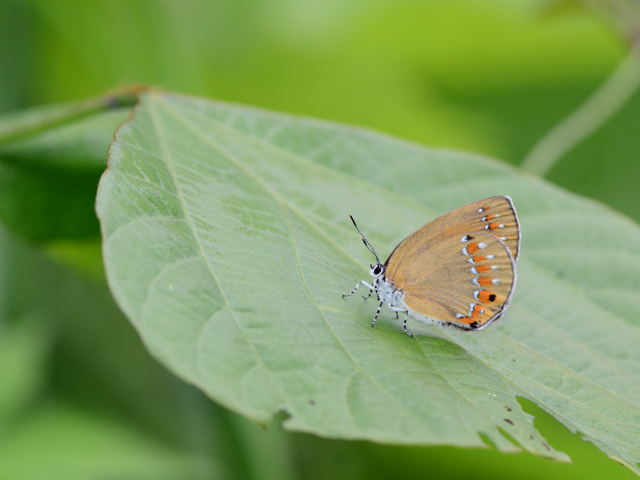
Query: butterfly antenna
{"x": 364, "y": 240}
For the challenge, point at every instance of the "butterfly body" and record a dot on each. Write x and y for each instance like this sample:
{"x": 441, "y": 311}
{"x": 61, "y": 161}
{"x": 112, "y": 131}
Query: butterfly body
{"x": 459, "y": 269}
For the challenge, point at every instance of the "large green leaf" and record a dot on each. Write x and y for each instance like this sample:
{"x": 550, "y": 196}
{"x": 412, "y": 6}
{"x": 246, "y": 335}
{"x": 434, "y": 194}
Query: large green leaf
{"x": 227, "y": 243}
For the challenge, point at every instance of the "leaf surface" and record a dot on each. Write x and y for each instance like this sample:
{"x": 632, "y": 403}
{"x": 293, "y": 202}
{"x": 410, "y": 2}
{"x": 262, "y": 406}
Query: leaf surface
{"x": 227, "y": 243}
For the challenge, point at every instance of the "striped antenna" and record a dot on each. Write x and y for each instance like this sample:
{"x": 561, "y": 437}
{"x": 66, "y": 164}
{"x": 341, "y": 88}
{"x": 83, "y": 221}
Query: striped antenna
{"x": 365, "y": 241}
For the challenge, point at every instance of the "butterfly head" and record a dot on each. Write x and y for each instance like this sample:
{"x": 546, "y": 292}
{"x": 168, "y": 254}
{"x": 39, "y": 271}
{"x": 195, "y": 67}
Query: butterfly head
{"x": 376, "y": 270}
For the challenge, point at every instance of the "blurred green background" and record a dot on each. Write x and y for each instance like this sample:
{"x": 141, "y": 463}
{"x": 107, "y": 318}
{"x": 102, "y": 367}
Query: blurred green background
{"x": 79, "y": 395}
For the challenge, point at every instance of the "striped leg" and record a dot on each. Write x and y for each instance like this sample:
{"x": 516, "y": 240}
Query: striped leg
{"x": 354, "y": 290}
{"x": 377, "y": 313}
{"x": 406, "y": 313}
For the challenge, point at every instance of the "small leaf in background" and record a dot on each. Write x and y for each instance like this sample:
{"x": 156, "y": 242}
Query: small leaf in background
{"x": 42, "y": 205}
{"x": 228, "y": 245}
{"x": 50, "y": 161}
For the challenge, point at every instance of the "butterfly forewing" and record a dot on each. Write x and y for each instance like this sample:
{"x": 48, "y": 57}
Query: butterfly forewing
{"x": 494, "y": 215}
{"x": 466, "y": 280}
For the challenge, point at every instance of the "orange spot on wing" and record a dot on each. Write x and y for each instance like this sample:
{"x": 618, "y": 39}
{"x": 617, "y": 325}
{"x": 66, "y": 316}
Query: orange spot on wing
{"x": 472, "y": 248}
{"x": 485, "y": 281}
{"x": 486, "y": 296}
{"x": 490, "y": 217}
{"x": 479, "y": 258}
{"x": 483, "y": 268}
{"x": 494, "y": 226}
{"x": 485, "y": 208}
{"x": 467, "y": 320}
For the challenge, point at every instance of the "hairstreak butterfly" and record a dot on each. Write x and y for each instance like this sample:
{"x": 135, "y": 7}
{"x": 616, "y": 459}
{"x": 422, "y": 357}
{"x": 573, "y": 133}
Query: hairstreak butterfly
{"x": 459, "y": 269}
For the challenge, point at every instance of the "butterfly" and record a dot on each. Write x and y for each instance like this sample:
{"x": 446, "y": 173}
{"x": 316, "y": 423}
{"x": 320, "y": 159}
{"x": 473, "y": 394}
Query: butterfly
{"x": 459, "y": 269}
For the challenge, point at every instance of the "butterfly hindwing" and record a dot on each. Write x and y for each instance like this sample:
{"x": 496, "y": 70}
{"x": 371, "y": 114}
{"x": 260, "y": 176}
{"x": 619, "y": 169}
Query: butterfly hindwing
{"x": 466, "y": 280}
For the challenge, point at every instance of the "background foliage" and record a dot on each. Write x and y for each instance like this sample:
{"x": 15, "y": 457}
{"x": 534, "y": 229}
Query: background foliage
{"x": 492, "y": 77}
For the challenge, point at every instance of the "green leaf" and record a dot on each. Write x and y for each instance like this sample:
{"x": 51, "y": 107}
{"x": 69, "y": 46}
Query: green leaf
{"x": 42, "y": 206}
{"x": 22, "y": 124}
{"x": 77, "y": 146}
{"x": 228, "y": 245}
{"x": 50, "y": 170}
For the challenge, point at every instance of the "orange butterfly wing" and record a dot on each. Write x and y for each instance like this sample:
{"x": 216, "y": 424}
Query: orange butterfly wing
{"x": 494, "y": 215}
{"x": 461, "y": 267}
{"x": 468, "y": 284}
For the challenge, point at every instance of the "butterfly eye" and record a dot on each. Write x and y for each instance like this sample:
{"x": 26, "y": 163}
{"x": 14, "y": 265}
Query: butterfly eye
{"x": 377, "y": 270}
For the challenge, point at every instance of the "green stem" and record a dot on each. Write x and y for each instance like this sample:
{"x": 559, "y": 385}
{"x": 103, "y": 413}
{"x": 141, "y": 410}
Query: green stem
{"x": 587, "y": 118}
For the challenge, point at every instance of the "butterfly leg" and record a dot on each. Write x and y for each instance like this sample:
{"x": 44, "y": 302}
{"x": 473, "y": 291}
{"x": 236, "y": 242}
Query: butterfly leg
{"x": 406, "y": 314}
{"x": 354, "y": 290}
{"x": 377, "y": 313}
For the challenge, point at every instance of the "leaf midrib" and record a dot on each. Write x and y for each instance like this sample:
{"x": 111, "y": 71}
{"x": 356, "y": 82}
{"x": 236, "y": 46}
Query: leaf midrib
{"x": 168, "y": 161}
